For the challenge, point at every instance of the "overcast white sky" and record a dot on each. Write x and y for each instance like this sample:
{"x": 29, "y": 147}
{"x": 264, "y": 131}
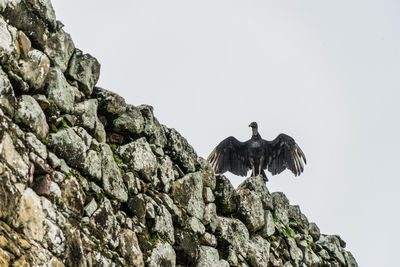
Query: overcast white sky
{"x": 324, "y": 72}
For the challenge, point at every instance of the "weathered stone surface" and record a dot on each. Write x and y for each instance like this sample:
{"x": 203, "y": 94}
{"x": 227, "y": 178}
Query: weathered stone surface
{"x": 34, "y": 69}
{"x": 233, "y": 233}
{"x": 7, "y": 97}
{"x": 332, "y": 244}
{"x": 36, "y": 145}
{"x": 109, "y": 102}
{"x": 111, "y": 176}
{"x": 31, "y": 115}
{"x": 104, "y": 218}
{"x": 87, "y": 114}
{"x": 250, "y": 209}
{"x": 195, "y": 226}
{"x": 8, "y": 151}
{"x": 54, "y": 237}
{"x": 42, "y": 184}
{"x": 130, "y": 121}
{"x": 153, "y": 130}
{"x": 85, "y": 69}
{"x": 130, "y": 249}
{"x": 74, "y": 255}
{"x": 295, "y": 253}
{"x": 7, "y": 44}
{"x": 166, "y": 172}
{"x": 73, "y": 195}
{"x": 162, "y": 255}
{"x": 9, "y": 196}
{"x": 225, "y": 195}
{"x": 311, "y": 259}
{"x": 30, "y": 215}
{"x": 209, "y": 257}
{"x": 60, "y": 91}
{"x": 257, "y": 185}
{"x": 281, "y": 204}
{"x": 208, "y": 240}
{"x": 139, "y": 157}
{"x": 162, "y": 221}
{"x": 187, "y": 247}
{"x": 180, "y": 151}
{"x": 350, "y": 261}
{"x": 258, "y": 252}
{"x": 59, "y": 48}
{"x": 314, "y": 231}
{"x": 188, "y": 192}
{"x": 210, "y": 216}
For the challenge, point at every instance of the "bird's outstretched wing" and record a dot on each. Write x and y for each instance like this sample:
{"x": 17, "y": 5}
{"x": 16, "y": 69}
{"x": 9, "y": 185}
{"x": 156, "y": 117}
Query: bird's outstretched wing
{"x": 282, "y": 153}
{"x": 230, "y": 155}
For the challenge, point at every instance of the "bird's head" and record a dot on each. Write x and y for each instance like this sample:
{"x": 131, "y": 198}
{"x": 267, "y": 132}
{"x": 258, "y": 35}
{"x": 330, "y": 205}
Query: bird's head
{"x": 253, "y": 125}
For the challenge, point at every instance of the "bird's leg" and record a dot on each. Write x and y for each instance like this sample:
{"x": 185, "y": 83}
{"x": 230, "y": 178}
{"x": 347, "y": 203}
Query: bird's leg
{"x": 253, "y": 169}
{"x": 260, "y": 169}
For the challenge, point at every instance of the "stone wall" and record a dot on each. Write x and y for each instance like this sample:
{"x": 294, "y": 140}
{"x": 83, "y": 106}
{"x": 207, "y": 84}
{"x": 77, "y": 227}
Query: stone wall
{"x": 88, "y": 180}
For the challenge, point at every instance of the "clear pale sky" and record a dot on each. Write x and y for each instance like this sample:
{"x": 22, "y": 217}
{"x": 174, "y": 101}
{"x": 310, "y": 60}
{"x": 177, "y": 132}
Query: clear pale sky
{"x": 324, "y": 72}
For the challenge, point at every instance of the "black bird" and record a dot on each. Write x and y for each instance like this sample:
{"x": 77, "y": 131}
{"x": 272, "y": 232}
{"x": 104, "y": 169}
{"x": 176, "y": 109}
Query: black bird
{"x": 257, "y": 154}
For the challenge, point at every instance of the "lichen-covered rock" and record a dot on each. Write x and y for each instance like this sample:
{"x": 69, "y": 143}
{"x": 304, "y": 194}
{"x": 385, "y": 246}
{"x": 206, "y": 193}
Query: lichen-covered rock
{"x": 209, "y": 257}
{"x": 258, "y": 186}
{"x": 60, "y": 91}
{"x": 180, "y": 151}
{"x": 295, "y": 252}
{"x": 87, "y": 114}
{"x": 109, "y": 102}
{"x": 7, "y": 44}
{"x": 269, "y": 226}
{"x": 85, "y": 69}
{"x": 232, "y": 233}
{"x": 153, "y": 130}
{"x": 31, "y": 115}
{"x": 111, "y": 175}
{"x": 332, "y": 244}
{"x": 258, "y": 252}
{"x": 225, "y": 195}
{"x": 130, "y": 121}
{"x": 187, "y": 247}
{"x": 74, "y": 255}
{"x": 7, "y": 97}
{"x": 162, "y": 221}
{"x": 250, "y": 209}
{"x": 311, "y": 259}
{"x": 54, "y": 237}
{"x": 139, "y": 157}
{"x": 73, "y": 196}
{"x": 162, "y": 255}
{"x": 34, "y": 69}
{"x": 166, "y": 172}
{"x": 130, "y": 249}
{"x": 9, "y": 195}
{"x": 188, "y": 192}
{"x": 30, "y": 215}
{"x": 59, "y": 48}
{"x": 313, "y": 230}
{"x": 18, "y": 161}
{"x": 281, "y": 205}
{"x": 36, "y": 145}
{"x": 103, "y": 218}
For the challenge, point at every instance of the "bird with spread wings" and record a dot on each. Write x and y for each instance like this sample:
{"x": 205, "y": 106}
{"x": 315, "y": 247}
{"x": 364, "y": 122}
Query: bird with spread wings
{"x": 257, "y": 155}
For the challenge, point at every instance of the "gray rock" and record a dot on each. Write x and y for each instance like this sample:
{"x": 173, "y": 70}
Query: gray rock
{"x": 188, "y": 193}
{"x": 130, "y": 121}
{"x": 132, "y": 183}
{"x": 232, "y": 233}
{"x": 208, "y": 240}
{"x": 7, "y": 41}
{"x": 74, "y": 255}
{"x": 210, "y": 216}
{"x": 92, "y": 165}
{"x": 13, "y": 155}
{"x": 257, "y": 185}
{"x": 298, "y": 219}
{"x": 129, "y": 248}
{"x": 295, "y": 252}
{"x": 109, "y": 102}
{"x": 180, "y": 151}
{"x": 258, "y": 252}
{"x": 163, "y": 223}
{"x": 350, "y": 261}
{"x": 187, "y": 247}
{"x": 59, "y": 48}
{"x": 165, "y": 171}
{"x": 311, "y": 259}
{"x": 87, "y": 114}
{"x": 35, "y": 145}
{"x": 250, "y": 209}
{"x": 153, "y": 130}
{"x": 208, "y": 195}
{"x": 281, "y": 204}
{"x": 34, "y": 69}
{"x": 225, "y": 195}
{"x": 60, "y": 91}
{"x": 90, "y": 208}
{"x": 31, "y": 115}
{"x": 67, "y": 142}
{"x": 162, "y": 255}
{"x": 177, "y": 213}
{"x": 85, "y": 69}
{"x": 54, "y": 237}
{"x": 209, "y": 257}
{"x": 111, "y": 176}
{"x": 7, "y": 97}
{"x": 137, "y": 205}
{"x": 269, "y": 226}
{"x": 139, "y": 157}
{"x": 73, "y": 195}
{"x": 209, "y": 179}
{"x": 195, "y": 226}
{"x": 103, "y": 218}
{"x": 332, "y": 244}
{"x": 313, "y": 230}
